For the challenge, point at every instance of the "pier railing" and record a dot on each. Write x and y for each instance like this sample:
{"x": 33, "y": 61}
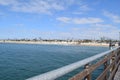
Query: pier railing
{"x": 110, "y": 59}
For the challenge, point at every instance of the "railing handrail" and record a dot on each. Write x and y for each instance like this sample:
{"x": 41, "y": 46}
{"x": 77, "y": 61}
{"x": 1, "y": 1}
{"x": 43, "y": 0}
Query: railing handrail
{"x": 52, "y": 75}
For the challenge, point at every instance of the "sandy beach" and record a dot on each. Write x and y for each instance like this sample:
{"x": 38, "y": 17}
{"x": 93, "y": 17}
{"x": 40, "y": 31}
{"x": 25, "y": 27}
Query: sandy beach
{"x": 58, "y": 43}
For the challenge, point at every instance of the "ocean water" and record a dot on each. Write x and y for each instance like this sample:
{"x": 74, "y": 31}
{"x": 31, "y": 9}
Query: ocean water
{"x": 22, "y": 61}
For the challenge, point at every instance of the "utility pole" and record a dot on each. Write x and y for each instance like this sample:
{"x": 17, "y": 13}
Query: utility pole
{"x": 119, "y": 36}
{"x": 110, "y": 44}
{"x": 119, "y": 40}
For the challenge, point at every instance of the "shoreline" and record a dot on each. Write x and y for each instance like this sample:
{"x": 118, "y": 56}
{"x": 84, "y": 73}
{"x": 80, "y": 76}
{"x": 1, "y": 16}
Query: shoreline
{"x": 59, "y": 43}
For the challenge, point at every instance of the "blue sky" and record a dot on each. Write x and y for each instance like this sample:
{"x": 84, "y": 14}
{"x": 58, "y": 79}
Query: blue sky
{"x": 59, "y": 19}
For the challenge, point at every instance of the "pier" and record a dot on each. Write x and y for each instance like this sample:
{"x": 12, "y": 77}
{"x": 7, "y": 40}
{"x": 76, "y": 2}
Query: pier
{"x": 109, "y": 59}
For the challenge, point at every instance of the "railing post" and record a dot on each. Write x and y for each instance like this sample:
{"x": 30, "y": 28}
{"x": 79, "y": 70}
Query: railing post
{"x": 118, "y": 55}
{"x": 113, "y": 58}
{"x": 105, "y": 66}
{"x": 112, "y": 62}
{"x": 88, "y": 77}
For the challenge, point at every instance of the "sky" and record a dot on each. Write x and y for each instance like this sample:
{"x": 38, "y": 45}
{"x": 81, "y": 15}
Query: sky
{"x": 59, "y": 19}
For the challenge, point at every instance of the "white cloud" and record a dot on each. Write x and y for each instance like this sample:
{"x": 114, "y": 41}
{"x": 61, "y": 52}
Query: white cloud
{"x": 64, "y": 19}
{"x": 82, "y": 9}
{"x": 96, "y": 31}
{"x": 8, "y": 2}
{"x": 106, "y": 27}
{"x": 33, "y": 6}
{"x": 19, "y": 24}
{"x": 112, "y": 16}
{"x": 77, "y": 12}
{"x": 87, "y": 20}
{"x": 39, "y": 6}
{"x": 103, "y": 26}
{"x": 85, "y": 8}
{"x": 80, "y": 20}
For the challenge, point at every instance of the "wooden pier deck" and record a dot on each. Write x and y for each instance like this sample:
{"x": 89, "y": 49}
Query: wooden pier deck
{"x": 117, "y": 75}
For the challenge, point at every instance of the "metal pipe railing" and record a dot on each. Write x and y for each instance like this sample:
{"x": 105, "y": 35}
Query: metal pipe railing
{"x": 52, "y": 75}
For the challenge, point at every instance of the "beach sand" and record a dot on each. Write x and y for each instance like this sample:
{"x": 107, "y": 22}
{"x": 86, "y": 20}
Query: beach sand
{"x": 57, "y": 43}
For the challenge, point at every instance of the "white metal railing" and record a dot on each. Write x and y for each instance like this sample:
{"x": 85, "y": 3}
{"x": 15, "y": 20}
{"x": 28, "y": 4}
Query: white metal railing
{"x": 52, "y": 75}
